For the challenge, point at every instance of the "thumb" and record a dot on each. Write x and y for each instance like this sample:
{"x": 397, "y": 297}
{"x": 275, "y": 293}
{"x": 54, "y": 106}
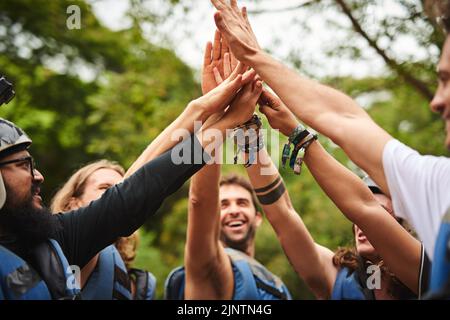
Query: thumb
{"x": 218, "y": 19}
{"x": 267, "y": 111}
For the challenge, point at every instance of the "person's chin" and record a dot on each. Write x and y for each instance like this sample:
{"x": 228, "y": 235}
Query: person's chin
{"x": 37, "y": 202}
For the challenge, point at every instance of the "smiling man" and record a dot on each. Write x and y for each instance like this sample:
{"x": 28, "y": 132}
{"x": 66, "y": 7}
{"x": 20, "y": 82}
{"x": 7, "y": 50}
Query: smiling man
{"x": 220, "y": 247}
{"x": 239, "y": 215}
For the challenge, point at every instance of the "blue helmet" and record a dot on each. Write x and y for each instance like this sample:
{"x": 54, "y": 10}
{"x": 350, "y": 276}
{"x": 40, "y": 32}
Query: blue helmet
{"x": 12, "y": 139}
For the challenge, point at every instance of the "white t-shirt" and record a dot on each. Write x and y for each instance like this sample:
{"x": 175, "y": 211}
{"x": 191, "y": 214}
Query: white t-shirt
{"x": 420, "y": 189}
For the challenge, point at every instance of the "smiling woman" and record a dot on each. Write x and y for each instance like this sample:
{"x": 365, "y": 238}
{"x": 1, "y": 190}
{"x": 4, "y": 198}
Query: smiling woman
{"x": 84, "y": 186}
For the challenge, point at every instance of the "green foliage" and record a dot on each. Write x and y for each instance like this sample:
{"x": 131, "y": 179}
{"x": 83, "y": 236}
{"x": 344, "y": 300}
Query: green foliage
{"x": 138, "y": 88}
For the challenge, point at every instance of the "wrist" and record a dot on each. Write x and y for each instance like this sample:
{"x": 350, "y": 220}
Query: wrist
{"x": 197, "y": 111}
{"x": 289, "y": 129}
{"x": 252, "y": 56}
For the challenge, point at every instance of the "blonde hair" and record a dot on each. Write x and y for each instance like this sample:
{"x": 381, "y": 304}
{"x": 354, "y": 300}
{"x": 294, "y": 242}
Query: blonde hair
{"x": 127, "y": 247}
{"x": 74, "y": 187}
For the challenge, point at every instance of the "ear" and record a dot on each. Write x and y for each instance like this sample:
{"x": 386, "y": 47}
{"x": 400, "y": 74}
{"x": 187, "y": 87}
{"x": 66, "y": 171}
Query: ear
{"x": 258, "y": 219}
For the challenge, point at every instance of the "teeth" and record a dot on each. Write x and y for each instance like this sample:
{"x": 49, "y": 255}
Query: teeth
{"x": 236, "y": 224}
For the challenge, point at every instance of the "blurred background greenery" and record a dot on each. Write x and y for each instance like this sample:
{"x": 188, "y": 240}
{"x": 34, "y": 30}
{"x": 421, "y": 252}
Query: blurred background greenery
{"x": 137, "y": 86}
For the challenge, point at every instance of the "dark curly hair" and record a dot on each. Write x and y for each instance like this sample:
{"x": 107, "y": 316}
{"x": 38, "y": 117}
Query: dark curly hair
{"x": 349, "y": 258}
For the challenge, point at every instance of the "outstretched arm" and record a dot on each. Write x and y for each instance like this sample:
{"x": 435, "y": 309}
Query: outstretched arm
{"x": 400, "y": 251}
{"x": 208, "y": 269}
{"x": 327, "y": 110}
{"x": 312, "y": 262}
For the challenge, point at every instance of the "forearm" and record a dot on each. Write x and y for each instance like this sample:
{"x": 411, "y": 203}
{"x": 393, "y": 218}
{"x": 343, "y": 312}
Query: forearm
{"x": 330, "y": 112}
{"x": 343, "y": 187}
{"x": 399, "y": 250}
{"x": 309, "y": 100}
{"x": 126, "y": 206}
{"x": 170, "y": 137}
{"x": 203, "y": 215}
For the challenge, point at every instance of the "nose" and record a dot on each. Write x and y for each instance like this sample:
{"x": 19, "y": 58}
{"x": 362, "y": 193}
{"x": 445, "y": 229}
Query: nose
{"x": 232, "y": 210}
{"x": 38, "y": 177}
{"x": 438, "y": 103}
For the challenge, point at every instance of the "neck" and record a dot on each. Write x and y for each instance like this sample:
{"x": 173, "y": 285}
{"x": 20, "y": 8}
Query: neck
{"x": 249, "y": 249}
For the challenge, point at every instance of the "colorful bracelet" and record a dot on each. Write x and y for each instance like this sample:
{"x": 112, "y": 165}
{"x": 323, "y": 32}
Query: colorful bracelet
{"x": 299, "y": 133}
{"x": 298, "y": 154}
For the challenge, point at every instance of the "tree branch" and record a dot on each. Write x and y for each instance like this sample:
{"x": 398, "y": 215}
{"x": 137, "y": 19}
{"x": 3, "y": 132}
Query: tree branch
{"x": 394, "y": 65}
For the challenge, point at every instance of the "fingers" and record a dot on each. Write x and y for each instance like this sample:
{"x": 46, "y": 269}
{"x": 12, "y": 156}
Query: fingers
{"x": 248, "y": 25}
{"x": 248, "y": 76}
{"x": 245, "y": 16}
{"x": 234, "y": 61}
{"x": 240, "y": 68}
{"x": 267, "y": 111}
{"x": 217, "y": 76}
{"x": 234, "y": 5}
{"x": 207, "y": 56}
{"x": 234, "y": 85}
{"x": 217, "y": 46}
{"x": 257, "y": 89}
{"x": 226, "y": 65}
{"x": 218, "y": 4}
{"x": 225, "y": 47}
{"x": 218, "y": 19}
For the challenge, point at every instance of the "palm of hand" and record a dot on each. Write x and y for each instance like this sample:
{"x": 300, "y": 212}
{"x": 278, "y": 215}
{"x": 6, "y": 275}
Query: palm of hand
{"x": 208, "y": 79}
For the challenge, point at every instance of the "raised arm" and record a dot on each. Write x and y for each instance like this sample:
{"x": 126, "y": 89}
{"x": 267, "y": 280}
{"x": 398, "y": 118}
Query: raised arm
{"x": 400, "y": 251}
{"x": 312, "y": 262}
{"x": 328, "y": 111}
{"x": 208, "y": 269}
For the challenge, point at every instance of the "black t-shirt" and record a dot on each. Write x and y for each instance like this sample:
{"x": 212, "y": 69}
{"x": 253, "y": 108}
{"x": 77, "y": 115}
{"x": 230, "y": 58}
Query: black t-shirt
{"x": 124, "y": 207}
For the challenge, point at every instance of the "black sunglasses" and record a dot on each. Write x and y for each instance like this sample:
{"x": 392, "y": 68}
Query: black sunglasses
{"x": 30, "y": 160}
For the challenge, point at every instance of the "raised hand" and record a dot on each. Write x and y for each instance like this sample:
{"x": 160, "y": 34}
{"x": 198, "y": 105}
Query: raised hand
{"x": 243, "y": 105}
{"x": 221, "y": 96}
{"x": 213, "y": 58}
{"x": 276, "y": 112}
{"x": 235, "y": 28}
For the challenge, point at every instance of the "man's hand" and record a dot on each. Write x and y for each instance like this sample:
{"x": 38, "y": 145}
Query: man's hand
{"x": 235, "y": 28}
{"x": 278, "y": 115}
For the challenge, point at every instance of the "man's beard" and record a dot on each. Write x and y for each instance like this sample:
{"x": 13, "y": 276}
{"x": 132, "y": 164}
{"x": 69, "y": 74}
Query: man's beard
{"x": 26, "y": 223}
{"x": 241, "y": 244}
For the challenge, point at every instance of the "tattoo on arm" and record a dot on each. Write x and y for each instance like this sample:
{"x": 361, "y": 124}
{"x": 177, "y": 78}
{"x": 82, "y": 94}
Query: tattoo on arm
{"x": 273, "y": 195}
{"x": 268, "y": 187}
